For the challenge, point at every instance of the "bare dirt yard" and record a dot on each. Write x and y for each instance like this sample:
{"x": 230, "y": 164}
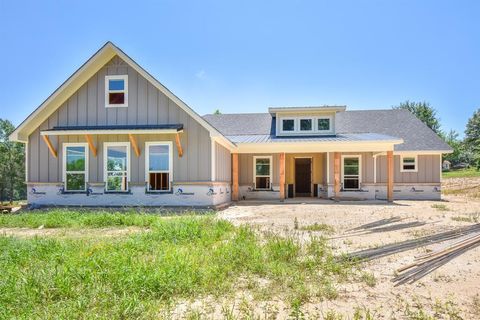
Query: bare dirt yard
{"x": 450, "y": 292}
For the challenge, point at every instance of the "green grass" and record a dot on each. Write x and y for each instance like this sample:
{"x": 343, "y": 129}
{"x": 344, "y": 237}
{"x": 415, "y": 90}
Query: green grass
{"x": 62, "y": 218}
{"x": 461, "y": 173}
{"x": 135, "y": 276}
{"x": 318, "y": 227}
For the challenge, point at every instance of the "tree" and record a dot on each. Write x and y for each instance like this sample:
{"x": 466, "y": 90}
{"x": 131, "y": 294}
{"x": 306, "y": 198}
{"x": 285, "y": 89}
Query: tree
{"x": 217, "y": 111}
{"x": 472, "y": 136}
{"x": 424, "y": 112}
{"x": 456, "y": 144}
{"x": 12, "y": 165}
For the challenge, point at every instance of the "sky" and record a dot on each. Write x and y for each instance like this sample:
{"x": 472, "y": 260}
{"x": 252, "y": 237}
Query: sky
{"x": 245, "y": 56}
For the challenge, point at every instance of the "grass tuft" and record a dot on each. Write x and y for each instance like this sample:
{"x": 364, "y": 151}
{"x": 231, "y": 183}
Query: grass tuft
{"x": 323, "y": 227}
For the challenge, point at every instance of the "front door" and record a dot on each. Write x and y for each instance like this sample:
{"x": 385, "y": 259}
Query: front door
{"x": 303, "y": 177}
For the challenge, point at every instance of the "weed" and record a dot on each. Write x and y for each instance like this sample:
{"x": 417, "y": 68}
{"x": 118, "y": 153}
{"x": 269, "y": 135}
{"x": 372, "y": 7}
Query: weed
{"x": 472, "y": 217}
{"x": 319, "y": 227}
{"x": 369, "y": 279}
{"x": 440, "y": 207}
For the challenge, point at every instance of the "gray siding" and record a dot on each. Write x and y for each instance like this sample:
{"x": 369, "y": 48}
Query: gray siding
{"x": 223, "y": 163}
{"x": 428, "y": 170}
{"x": 146, "y": 105}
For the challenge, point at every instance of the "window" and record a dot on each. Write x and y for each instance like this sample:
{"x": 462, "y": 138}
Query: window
{"x": 159, "y": 166}
{"x": 323, "y": 124}
{"x": 351, "y": 172}
{"x": 288, "y": 125}
{"x": 117, "y": 161}
{"x": 408, "y": 164}
{"x": 262, "y": 172}
{"x": 116, "y": 91}
{"x": 75, "y": 166}
{"x": 306, "y": 124}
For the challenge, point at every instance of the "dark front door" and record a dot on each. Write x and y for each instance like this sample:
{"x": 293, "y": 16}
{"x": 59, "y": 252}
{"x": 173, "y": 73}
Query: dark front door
{"x": 303, "y": 177}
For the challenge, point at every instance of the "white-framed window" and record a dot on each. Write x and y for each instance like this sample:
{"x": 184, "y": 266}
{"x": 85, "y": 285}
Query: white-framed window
{"x": 262, "y": 172}
{"x": 323, "y": 124}
{"x": 351, "y": 172}
{"x": 408, "y": 163}
{"x": 288, "y": 125}
{"x": 116, "y": 166}
{"x": 158, "y": 164}
{"x": 305, "y": 124}
{"x": 75, "y": 166}
{"x": 116, "y": 91}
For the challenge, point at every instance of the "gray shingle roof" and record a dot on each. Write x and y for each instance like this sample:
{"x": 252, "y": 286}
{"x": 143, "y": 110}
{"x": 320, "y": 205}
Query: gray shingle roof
{"x": 388, "y": 123}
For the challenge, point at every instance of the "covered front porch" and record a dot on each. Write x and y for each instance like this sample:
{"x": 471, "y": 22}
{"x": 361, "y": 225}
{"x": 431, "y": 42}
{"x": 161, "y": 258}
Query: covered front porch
{"x": 339, "y": 175}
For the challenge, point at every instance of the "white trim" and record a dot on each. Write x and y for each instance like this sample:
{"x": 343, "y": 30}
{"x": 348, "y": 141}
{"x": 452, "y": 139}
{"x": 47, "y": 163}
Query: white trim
{"x": 359, "y": 170}
{"x": 414, "y": 156}
{"x": 105, "y": 159}
{"x": 374, "y": 168}
{"x": 123, "y": 77}
{"x": 65, "y": 145}
{"x": 422, "y": 152}
{"x": 109, "y": 131}
{"x": 296, "y": 121}
{"x": 316, "y": 146}
{"x": 26, "y": 162}
{"x": 213, "y": 162}
{"x": 315, "y": 109}
{"x": 148, "y": 144}
{"x": 270, "y": 176}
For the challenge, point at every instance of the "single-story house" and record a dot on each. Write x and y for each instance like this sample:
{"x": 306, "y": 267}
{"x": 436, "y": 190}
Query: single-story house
{"x": 113, "y": 135}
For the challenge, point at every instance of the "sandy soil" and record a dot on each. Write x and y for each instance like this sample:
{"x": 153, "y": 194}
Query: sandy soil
{"x": 457, "y": 281}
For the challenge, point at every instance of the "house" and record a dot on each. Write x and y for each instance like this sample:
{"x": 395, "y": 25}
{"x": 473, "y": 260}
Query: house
{"x": 446, "y": 165}
{"x": 113, "y": 135}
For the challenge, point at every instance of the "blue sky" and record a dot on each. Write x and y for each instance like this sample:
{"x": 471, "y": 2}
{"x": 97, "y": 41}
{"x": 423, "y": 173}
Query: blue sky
{"x": 246, "y": 56}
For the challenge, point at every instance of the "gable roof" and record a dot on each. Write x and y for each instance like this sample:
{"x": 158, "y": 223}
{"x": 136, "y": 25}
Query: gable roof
{"x": 395, "y": 123}
{"x": 85, "y": 72}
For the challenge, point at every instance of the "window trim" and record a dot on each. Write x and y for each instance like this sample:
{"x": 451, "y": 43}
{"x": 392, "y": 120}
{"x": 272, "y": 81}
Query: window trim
{"x": 414, "y": 156}
{"x": 64, "y": 163}
{"x": 312, "y": 119}
{"x": 123, "y": 77}
{"x": 294, "y": 125}
{"x": 105, "y": 160}
{"x": 170, "y": 164}
{"x": 270, "y": 176}
{"x": 359, "y": 157}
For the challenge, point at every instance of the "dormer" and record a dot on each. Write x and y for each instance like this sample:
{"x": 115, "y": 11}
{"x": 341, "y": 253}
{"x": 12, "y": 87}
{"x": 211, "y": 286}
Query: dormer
{"x": 305, "y": 121}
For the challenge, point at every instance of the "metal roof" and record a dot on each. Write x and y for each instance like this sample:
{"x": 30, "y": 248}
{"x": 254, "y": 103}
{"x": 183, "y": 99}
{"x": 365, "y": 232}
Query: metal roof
{"x": 358, "y": 137}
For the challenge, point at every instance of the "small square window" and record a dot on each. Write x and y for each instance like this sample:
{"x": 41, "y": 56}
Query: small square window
{"x": 324, "y": 124}
{"x": 306, "y": 125}
{"x": 288, "y": 125}
{"x": 409, "y": 164}
{"x": 116, "y": 91}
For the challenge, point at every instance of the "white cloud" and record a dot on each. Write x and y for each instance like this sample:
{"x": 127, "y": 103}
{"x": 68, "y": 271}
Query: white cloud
{"x": 202, "y": 75}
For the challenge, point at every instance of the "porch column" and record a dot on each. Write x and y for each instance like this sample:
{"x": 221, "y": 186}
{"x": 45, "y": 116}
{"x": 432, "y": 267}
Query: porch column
{"x": 336, "y": 173}
{"x": 282, "y": 176}
{"x": 390, "y": 176}
{"x": 234, "y": 176}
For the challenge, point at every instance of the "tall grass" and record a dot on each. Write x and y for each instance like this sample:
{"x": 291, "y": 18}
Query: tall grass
{"x": 134, "y": 276}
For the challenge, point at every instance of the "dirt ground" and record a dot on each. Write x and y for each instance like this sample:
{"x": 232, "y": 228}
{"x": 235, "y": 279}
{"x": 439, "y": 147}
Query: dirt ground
{"x": 458, "y": 281}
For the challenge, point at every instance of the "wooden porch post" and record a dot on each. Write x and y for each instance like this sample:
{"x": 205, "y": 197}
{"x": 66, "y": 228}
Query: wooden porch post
{"x": 390, "y": 176}
{"x": 282, "y": 176}
{"x": 336, "y": 173}
{"x": 234, "y": 176}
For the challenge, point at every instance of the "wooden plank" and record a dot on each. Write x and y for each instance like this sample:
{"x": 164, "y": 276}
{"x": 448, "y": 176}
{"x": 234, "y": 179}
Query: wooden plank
{"x": 179, "y": 145}
{"x": 336, "y": 173}
{"x": 235, "y": 176}
{"x": 282, "y": 176}
{"x": 134, "y": 144}
{"x": 89, "y": 139}
{"x": 50, "y": 146}
{"x": 390, "y": 176}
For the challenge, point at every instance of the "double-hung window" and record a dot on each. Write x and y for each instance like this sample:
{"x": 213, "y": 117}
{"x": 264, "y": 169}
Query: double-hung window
{"x": 75, "y": 166}
{"x": 351, "y": 172}
{"x": 116, "y": 91}
{"x": 408, "y": 163}
{"x": 116, "y": 166}
{"x": 158, "y": 161}
{"x": 262, "y": 172}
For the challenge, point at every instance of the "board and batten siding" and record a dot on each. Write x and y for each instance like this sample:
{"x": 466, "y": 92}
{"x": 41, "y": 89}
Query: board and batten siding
{"x": 245, "y": 168}
{"x": 367, "y": 166}
{"x": 428, "y": 170}
{"x": 146, "y": 105}
{"x": 223, "y": 163}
